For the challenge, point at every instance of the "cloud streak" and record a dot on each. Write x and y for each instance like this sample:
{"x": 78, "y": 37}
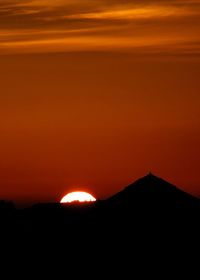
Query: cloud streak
{"x": 46, "y": 26}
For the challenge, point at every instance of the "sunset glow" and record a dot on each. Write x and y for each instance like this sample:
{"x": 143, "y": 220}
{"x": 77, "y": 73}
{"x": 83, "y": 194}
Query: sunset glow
{"x": 97, "y": 93}
{"x": 51, "y": 26}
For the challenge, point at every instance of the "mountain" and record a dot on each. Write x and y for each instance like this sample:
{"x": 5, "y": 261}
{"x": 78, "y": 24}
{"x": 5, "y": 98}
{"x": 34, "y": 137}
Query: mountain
{"x": 149, "y": 220}
{"x": 154, "y": 206}
{"x": 153, "y": 191}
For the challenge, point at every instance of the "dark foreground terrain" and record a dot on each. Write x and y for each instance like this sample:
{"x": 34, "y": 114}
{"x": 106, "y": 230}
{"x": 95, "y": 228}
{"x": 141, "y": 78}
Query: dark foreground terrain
{"x": 150, "y": 224}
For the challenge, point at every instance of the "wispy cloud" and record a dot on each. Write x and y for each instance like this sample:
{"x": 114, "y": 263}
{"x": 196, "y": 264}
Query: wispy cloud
{"x": 130, "y": 13}
{"x": 62, "y": 25}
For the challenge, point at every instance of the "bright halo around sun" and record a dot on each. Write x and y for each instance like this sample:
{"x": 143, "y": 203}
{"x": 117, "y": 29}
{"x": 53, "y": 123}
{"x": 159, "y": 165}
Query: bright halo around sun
{"x": 77, "y": 196}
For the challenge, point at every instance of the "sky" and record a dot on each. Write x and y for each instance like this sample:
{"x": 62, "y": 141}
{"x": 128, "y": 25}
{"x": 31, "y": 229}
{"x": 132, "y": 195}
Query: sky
{"x": 94, "y": 94}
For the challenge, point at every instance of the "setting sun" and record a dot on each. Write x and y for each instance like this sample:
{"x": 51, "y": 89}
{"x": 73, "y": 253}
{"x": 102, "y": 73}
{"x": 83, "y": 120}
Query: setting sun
{"x": 77, "y": 196}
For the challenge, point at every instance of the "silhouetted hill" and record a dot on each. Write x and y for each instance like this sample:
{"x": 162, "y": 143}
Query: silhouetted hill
{"x": 153, "y": 191}
{"x": 148, "y": 199}
{"x": 145, "y": 222}
{"x": 152, "y": 203}
{"x": 6, "y": 207}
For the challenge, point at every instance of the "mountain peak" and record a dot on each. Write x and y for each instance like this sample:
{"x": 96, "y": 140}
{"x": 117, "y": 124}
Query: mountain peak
{"x": 153, "y": 181}
{"x": 151, "y": 189}
{"x": 150, "y": 176}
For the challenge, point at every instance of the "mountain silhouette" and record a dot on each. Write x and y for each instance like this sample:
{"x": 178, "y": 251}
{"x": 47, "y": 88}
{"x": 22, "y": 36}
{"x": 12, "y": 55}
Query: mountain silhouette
{"x": 153, "y": 191}
{"x": 150, "y": 219}
{"x": 151, "y": 204}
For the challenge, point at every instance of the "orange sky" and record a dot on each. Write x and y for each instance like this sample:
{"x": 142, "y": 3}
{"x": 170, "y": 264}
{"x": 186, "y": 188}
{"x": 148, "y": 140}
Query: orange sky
{"x": 96, "y": 93}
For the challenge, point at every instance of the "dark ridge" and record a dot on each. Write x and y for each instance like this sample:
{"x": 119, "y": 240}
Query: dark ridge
{"x": 152, "y": 189}
{"x": 149, "y": 220}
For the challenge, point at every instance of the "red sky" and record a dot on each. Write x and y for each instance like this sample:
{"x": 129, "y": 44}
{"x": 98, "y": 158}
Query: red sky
{"x": 95, "y": 94}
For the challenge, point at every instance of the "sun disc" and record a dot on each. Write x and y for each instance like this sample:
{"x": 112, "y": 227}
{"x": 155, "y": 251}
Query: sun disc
{"x": 77, "y": 196}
